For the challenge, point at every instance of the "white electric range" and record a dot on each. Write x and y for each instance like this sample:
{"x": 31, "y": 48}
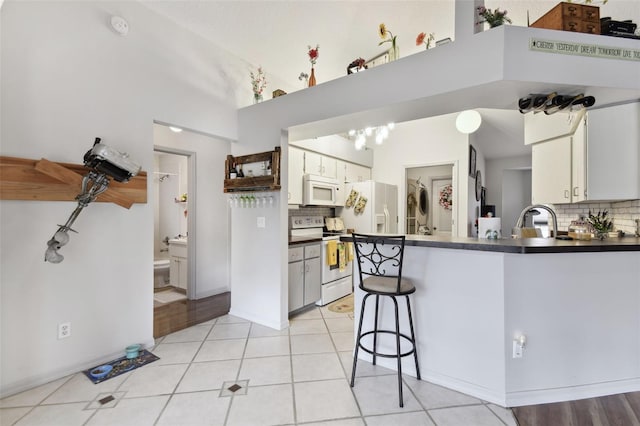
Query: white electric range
{"x": 336, "y": 281}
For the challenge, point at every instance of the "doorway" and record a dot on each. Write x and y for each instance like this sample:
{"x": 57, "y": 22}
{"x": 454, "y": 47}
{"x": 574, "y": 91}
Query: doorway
{"x": 171, "y": 227}
{"x": 442, "y": 196}
{"x": 425, "y": 214}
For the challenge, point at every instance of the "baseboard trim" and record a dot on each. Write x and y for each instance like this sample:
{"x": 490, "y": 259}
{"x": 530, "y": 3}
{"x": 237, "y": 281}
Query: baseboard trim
{"x": 213, "y": 292}
{"x": 515, "y": 399}
{"x": 43, "y": 379}
{"x": 259, "y": 320}
{"x": 572, "y": 393}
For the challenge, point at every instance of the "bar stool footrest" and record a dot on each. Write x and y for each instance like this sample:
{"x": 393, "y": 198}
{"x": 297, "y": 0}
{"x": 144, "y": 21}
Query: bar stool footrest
{"x": 371, "y": 352}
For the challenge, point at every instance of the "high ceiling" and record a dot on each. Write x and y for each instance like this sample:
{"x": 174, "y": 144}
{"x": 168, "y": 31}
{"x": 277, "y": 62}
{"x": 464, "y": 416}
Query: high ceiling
{"x": 276, "y": 34}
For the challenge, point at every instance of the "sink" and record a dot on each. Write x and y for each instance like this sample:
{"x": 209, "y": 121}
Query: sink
{"x": 180, "y": 241}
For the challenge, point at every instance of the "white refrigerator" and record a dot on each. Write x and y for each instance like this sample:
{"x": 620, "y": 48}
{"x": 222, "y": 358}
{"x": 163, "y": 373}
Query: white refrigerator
{"x": 380, "y": 212}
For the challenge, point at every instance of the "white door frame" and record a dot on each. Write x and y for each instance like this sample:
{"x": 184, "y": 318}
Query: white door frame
{"x": 456, "y": 190}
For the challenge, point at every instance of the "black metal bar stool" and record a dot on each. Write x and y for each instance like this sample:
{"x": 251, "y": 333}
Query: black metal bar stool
{"x": 379, "y": 259}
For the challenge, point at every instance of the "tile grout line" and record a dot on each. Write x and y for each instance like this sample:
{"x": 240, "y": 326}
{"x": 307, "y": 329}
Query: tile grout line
{"x": 166, "y": 404}
{"x": 293, "y": 387}
{"x": 324, "y": 319}
{"x": 244, "y": 351}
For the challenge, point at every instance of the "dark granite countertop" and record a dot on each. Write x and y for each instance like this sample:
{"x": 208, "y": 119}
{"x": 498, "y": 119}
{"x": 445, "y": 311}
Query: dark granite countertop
{"x": 523, "y": 245}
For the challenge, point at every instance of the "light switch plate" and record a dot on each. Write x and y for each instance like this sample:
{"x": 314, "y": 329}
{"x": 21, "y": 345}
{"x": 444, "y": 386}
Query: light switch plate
{"x": 262, "y": 222}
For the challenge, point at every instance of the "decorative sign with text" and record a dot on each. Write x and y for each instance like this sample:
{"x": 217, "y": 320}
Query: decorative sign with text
{"x": 584, "y": 49}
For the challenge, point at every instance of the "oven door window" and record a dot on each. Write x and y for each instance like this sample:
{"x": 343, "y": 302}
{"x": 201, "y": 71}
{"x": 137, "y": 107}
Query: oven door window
{"x": 322, "y": 193}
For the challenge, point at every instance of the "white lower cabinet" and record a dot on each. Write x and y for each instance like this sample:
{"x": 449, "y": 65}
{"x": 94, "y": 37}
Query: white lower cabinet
{"x": 304, "y": 275}
{"x": 178, "y": 266}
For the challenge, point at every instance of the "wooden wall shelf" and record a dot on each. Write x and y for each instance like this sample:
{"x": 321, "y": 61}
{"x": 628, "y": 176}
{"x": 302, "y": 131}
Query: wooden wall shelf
{"x": 43, "y": 180}
{"x": 253, "y": 183}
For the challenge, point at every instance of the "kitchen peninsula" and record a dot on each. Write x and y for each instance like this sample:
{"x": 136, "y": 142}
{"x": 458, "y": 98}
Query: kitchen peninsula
{"x": 577, "y": 304}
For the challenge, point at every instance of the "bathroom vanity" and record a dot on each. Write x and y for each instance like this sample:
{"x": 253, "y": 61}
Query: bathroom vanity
{"x": 575, "y": 305}
{"x": 178, "y": 268}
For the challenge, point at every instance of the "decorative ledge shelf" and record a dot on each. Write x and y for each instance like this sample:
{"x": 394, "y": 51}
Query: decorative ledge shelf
{"x": 253, "y": 183}
{"x": 44, "y": 180}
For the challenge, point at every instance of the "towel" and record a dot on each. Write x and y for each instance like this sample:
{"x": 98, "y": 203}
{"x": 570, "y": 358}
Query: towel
{"x": 349, "y": 252}
{"x": 332, "y": 252}
{"x": 342, "y": 256}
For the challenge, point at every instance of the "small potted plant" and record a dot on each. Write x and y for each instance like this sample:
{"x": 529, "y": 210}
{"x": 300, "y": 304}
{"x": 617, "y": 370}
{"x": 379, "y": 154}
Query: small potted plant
{"x": 600, "y": 223}
{"x": 494, "y": 19}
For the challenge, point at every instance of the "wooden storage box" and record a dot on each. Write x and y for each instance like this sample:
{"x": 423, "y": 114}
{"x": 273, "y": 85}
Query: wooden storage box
{"x": 269, "y": 182}
{"x": 571, "y": 17}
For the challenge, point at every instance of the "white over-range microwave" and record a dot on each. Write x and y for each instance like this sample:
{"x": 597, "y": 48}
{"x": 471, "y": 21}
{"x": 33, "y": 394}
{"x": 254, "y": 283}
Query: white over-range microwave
{"x": 320, "y": 191}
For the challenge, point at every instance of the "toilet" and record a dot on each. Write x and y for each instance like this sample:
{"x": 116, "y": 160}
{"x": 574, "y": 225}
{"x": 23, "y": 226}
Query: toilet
{"x": 161, "y": 272}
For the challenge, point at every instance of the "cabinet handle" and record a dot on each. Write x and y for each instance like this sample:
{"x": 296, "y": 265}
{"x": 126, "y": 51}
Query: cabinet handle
{"x": 575, "y": 191}
{"x": 566, "y": 193}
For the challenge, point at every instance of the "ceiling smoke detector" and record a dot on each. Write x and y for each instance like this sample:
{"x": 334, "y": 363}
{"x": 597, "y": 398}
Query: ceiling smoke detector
{"x": 119, "y": 25}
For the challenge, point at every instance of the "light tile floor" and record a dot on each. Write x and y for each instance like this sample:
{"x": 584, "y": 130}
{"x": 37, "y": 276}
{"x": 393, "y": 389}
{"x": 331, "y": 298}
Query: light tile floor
{"x": 291, "y": 377}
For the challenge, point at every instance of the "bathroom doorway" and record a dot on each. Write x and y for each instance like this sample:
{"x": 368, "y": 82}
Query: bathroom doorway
{"x": 171, "y": 175}
{"x": 426, "y": 212}
{"x": 208, "y": 240}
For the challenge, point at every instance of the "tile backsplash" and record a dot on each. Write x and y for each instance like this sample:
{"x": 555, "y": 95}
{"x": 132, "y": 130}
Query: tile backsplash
{"x": 311, "y": 211}
{"x": 623, "y": 213}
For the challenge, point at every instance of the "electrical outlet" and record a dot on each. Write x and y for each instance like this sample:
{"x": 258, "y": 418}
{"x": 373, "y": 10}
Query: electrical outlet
{"x": 262, "y": 222}
{"x": 64, "y": 330}
{"x": 518, "y": 348}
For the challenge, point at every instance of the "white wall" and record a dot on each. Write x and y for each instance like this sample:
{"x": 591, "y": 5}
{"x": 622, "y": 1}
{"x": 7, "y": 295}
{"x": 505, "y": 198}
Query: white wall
{"x": 67, "y": 78}
{"x": 516, "y": 195}
{"x": 514, "y": 175}
{"x": 420, "y": 143}
{"x": 211, "y": 213}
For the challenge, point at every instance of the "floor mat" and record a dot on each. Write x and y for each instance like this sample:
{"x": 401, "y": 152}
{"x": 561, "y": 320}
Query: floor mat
{"x": 122, "y": 365}
{"x": 343, "y": 306}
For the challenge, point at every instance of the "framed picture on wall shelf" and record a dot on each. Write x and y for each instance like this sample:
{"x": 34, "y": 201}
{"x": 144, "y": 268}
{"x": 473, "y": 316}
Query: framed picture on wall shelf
{"x": 472, "y": 161}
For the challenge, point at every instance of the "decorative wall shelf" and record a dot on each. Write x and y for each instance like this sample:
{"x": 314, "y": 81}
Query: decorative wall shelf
{"x": 44, "y": 180}
{"x": 253, "y": 183}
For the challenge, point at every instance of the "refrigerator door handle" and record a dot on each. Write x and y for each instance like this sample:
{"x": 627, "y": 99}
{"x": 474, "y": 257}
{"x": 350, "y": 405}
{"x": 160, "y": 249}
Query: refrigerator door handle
{"x": 386, "y": 219}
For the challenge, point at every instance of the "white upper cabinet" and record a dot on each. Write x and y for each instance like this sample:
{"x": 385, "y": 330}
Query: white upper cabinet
{"x": 357, "y": 173}
{"x": 613, "y": 153}
{"x": 296, "y": 172}
{"x": 551, "y": 171}
{"x": 598, "y": 162}
{"x": 539, "y": 127}
{"x": 342, "y": 179}
{"x": 320, "y": 165}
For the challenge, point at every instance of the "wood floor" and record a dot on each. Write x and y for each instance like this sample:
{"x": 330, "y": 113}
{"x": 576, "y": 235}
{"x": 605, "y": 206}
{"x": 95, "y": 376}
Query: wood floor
{"x": 176, "y": 316}
{"x": 613, "y": 410}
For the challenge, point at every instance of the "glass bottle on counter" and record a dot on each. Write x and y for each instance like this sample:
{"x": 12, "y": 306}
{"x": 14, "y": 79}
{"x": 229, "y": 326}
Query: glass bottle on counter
{"x": 233, "y": 173}
{"x": 579, "y": 230}
{"x": 240, "y": 174}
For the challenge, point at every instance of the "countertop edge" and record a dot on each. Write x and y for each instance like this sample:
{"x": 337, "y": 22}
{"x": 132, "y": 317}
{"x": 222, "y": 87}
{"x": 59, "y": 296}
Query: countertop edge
{"x": 524, "y": 246}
